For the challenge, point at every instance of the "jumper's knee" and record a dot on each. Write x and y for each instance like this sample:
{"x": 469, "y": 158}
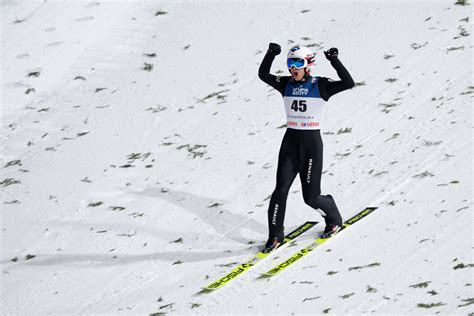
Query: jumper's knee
{"x": 314, "y": 199}
{"x": 315, "y": 202}
{"x": 281, "y": 191}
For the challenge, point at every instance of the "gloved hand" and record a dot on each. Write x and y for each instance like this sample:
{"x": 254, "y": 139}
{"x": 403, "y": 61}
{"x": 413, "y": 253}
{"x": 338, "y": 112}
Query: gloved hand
{"x": 274, "y": 49}
{"x": 331, "y": 54}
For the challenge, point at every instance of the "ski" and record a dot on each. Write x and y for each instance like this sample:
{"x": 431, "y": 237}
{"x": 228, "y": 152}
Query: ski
{"x": 319, "y": 241}
{"x": 243, "y": 267}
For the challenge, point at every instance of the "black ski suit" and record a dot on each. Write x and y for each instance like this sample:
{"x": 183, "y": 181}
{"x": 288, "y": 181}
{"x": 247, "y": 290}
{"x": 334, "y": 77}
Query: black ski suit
{"x": 302, "y": 151}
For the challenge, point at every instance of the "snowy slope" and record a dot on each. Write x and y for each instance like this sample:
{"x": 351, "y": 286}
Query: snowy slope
{"x": 139, "y": 149}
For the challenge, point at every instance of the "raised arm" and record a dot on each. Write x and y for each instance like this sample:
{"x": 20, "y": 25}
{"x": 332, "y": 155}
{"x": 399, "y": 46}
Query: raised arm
{"x": 330, "y": 88}
{"x": 264, "y": 69}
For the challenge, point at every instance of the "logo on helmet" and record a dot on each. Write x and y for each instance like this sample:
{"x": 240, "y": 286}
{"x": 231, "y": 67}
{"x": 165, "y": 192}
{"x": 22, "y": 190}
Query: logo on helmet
{"x": 299, "y": 52}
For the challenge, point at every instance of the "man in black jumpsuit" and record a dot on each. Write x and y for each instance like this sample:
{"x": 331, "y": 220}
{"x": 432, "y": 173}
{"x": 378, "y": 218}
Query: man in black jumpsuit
{"x": 302, "y": 148}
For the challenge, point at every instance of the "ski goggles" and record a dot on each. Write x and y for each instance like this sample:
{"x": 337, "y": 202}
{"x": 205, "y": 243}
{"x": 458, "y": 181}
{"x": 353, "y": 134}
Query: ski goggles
{"x": 298, "y": 63}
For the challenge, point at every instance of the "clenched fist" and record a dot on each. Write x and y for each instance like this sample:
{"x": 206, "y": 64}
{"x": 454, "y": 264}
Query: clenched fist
{"x": 331, "y": 53}
{"x": 274, "y": 49}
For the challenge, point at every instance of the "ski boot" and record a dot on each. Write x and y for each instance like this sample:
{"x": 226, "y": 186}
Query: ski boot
{"x": 331, "y": 230}
{"x": 272, "y": 244}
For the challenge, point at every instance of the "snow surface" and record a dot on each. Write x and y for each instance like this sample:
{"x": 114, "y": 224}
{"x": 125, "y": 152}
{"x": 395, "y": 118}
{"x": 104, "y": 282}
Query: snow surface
{"x": 124, "y": 190}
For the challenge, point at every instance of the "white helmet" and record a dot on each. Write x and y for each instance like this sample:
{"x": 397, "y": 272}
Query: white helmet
{"x": 300, "y": 57}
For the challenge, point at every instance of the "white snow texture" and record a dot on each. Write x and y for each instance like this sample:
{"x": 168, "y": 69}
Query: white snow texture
{"x": 139, "y": 149}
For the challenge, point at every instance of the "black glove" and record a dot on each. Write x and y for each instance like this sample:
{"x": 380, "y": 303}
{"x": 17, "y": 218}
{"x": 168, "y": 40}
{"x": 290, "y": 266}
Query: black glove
{"x": 274, "y": 49}
{"x": 331, "y": 54}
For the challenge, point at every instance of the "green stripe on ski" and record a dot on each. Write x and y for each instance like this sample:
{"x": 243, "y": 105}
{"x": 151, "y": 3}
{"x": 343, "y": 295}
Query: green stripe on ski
{"x": 303, "y": 252}
{"x": 257, "y": 258}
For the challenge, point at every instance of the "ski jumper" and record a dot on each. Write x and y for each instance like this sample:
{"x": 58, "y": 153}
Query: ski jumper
{"x": 301, "y": 150}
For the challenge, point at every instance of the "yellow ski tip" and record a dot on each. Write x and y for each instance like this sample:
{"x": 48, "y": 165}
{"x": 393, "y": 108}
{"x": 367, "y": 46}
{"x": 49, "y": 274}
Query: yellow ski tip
{"x": 208, "y": 289}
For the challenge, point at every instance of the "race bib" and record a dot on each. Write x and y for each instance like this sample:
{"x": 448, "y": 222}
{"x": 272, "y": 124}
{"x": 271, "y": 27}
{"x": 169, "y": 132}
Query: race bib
{"x": 304, "y": 106}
